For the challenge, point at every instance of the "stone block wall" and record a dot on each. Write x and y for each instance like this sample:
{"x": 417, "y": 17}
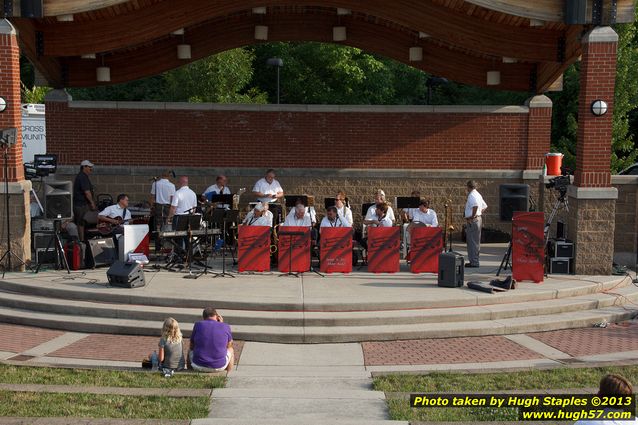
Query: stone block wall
{"x": 20, "y": 221}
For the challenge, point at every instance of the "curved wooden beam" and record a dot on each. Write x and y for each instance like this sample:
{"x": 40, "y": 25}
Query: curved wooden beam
{"x": 549, "y": 10}
{"x": 69, "y": 7}
{"x": 220, "y": 35}
{"x": 147, "y": 24}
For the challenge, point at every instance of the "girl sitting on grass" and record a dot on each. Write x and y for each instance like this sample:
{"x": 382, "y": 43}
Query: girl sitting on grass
{"x": 170, "y": 356}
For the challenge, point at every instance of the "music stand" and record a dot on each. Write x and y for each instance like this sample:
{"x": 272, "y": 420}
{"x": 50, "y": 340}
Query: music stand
{"x": 291, "y": 200}
{"x": 290, "y": 236}
{"x": 221, "y": 217}
{"x": 404, "y": 202}
{"x": 217, "y": 199}
{"x": 365, "y": 207}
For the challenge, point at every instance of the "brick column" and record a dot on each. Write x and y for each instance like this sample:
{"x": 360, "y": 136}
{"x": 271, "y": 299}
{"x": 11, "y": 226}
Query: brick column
{"x": 539, "y": 131}
{"x": 592, "y": 200}
{"x": 12, "y": 117}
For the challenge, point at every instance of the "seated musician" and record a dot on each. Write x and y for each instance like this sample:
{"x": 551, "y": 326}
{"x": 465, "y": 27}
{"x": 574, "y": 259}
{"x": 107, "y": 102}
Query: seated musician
{"x": 219, "y": 188}
{"x": 259, "y": 216}
{"x": 299, "y": 216}
{"x": 379, "y": 219}
{"x": 379, "y": 198}
{"x": 114, "y": 216}
{"x": 422, "y": 216}
{"x": 343, "y": 210}
{"x": 332, "y": 219}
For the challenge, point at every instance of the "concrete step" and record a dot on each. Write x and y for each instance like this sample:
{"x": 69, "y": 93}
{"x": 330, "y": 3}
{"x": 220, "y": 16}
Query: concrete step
{"x": 293, "y": 394}
{"x": 442, "y": 297}
{"x": 311, "y": 383}
{"x": 326, "y": 334}
{"x": 150, "y": 313}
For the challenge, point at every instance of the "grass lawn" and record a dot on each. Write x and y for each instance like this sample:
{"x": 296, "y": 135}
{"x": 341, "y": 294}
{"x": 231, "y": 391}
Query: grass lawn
{"x": 455, "y": 383}
{"x": 23, "y": 404}
{"x": 32, "y": 404}
{"x": 10, "y": 374}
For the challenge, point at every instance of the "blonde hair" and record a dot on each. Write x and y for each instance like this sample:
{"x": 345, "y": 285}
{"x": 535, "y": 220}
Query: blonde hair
{"x": 171, "y": 332}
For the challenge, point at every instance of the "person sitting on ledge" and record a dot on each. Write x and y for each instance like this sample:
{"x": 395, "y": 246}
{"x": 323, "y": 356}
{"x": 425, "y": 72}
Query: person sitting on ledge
{"x": 211, "y": 344}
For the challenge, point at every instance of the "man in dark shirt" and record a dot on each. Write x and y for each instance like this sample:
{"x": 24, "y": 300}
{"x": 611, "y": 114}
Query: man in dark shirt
{"x": 83, "y": 195}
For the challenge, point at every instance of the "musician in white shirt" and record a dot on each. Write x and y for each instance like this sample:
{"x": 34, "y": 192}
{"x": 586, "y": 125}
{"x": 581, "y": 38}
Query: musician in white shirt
{"x": 332, "y": 219}
{"x": 379, "y": 198}
{"x": 379, "y": 219}
{"x": 116, "y": 214}
{"x": 162, "y": 192}
{"x": 184, "y": 201}
{"x": 259, "y": 216}
{"x": 343, "y": 210}
{"x": 474, "y": 208}
{"x": 219, "y": 188}
{"x": 268, "y": 189}
{"x": 299, "y": 216}
{"x": 422, "y": 216}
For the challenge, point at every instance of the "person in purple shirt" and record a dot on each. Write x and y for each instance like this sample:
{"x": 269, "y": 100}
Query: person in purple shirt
{"x": 211, "y": 344}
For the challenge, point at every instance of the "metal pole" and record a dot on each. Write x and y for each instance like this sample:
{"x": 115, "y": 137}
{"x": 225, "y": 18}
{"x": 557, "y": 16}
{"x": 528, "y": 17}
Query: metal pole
{"x": 278, "y": 84}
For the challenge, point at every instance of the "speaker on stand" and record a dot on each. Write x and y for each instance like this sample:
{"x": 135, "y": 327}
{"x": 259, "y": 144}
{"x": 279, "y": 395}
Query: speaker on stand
{"x": 58, "y": 199}
{"x": 513, "y": 197}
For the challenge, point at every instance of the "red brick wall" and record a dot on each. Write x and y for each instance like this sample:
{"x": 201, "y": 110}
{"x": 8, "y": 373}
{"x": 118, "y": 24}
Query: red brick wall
{"x": 593, "y": 151}
{"x": 257, "y": 138}
{"x": 10, "y": 91}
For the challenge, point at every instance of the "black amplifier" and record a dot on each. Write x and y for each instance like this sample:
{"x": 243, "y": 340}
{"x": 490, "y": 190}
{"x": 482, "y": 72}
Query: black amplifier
{"x": 559, "y": 265}
{"x": 560, "y": 248}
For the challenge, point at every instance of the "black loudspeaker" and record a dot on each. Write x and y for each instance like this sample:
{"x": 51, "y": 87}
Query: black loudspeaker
{"x": 575, "y": 12}
{"x": 126, "y": 275}
{"x": 451, "y": 270}
{"x": 102, "y": 252}
{"x": 559, "y": 265}
{"x": 58, "y": 199}
{"x": 42, "y": 240}
{"x": 31, "y": 9}
{"x": 513, "y": 197}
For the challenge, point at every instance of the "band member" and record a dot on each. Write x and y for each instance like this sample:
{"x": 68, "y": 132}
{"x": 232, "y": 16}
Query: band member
{"x": 268, "y": 190}
{"x": 474, "y": 208}
{"x": 162, "y": 193}
{"x": 422, "y": 216}
{"x": 379, "y": 219}
{"x": 83, "y": 195}
{"x": 259, "y": 216}
{"x": 332, "y": 219}
{"x": 116, "y": 215}
{"x": 343, "y": 210}
{"x": 299, "y": 216}
{"x": 379, "y": 198}
{"x": 184, "y": 202}
{"x": 219, "y": 188}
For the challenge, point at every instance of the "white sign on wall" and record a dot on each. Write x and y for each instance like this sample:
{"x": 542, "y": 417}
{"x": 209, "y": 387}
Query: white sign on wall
{"x": 34, "y": 139}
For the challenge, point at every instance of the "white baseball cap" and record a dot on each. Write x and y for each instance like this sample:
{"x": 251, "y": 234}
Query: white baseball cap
{"x": 259, "y": 206}
{"x": 86, "y": 163}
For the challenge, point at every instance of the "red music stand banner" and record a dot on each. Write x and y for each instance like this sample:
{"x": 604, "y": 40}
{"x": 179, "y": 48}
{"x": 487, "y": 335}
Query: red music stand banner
{"x": 336, "y": 250}
{"x": 383, "y": 249}
{"x": 253, "y": 249}
{"x": 294, "y": 249}
{"x": 426, "y": 244}
{"x": 528, "y": 250}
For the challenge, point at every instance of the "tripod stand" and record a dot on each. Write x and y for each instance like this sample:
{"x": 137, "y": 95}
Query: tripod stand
{"x": 60, "y": 258}
{"x": 507, "y": 260}
{"x": 560, "y": 202}
{"x": 7, "y": 140}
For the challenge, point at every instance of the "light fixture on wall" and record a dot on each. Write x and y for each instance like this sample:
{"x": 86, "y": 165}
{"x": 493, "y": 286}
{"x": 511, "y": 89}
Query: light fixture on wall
{"x": 493, "y": 78}
{"x": 416, "y": 54}
{"x": 178, "y": 32}
{"x": 343, "y": 12}
{"x": 423, "y": 35}
{"x": 103, "y": 73}
{"x": 88, "y": 56}
{"x": 339, "y": 34}
{"x": 261, "y": 32}
{"x": 183, "y": 51}
{"x": 259, "y": 10}
{"x": 3, "y": 104}
{"x": 599, "y": 107}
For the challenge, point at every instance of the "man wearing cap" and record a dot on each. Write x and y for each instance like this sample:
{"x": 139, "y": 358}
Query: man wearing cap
{"x": 259, "y": 216}
{"x": 83, "y": 195}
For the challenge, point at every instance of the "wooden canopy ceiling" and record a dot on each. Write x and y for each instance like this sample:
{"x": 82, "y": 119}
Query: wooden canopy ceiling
{"x": 527, "y": 42}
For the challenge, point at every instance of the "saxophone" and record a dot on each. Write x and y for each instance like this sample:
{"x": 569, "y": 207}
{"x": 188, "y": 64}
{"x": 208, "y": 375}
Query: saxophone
{"x": 237, "y": 197}
{"x": 449, "y": 228}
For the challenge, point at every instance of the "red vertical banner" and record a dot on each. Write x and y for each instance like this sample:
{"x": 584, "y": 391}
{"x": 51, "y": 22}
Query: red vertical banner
{"x": 253, "y": 249}
{"x": 528, "y": 250}
{"x": 383, "y": 249}
{"x": 294, "y": 249}
{"x": 336, "y": 250}
{"x": 426, "y": 244}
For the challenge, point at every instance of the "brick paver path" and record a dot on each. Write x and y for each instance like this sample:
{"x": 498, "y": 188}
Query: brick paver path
{"x": 442, "y": 351}
{"x": 17, "y": 339}
{"x": 592, "y": 341}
